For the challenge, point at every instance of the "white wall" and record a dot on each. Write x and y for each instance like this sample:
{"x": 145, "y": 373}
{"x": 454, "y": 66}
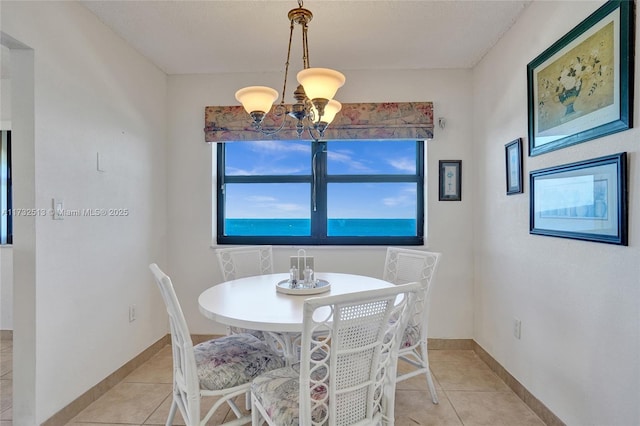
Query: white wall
{"x": 578, "y": 301}
{"x": 6, "y": 287}
{"x": 6, "y": 252}
{"x": 5, "y": 102}
{"x": 93, "y": 93}
{"x": 192, "y": 261}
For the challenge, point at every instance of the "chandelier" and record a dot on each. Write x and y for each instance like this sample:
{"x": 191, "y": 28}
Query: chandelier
{"x": 314, "y": 108}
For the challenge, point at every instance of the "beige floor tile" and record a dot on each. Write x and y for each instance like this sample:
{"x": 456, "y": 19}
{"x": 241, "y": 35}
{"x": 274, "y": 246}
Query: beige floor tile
{"x": 471, "y": 375}
{"x": 125, "y": 403}
{"x": 6, "y": 363}
{"x": 103, "y": 424}
{"x": 6, "y": 394}
{"x": 452, "y": 356}
{"x": 415, "y": 408}
{"x": 7, "y": 414}
{"x": 159, "y": 417}
{"x": 492, "y": 409}
{"x": 414, "y": 383}
{"x": 159, "y": 369}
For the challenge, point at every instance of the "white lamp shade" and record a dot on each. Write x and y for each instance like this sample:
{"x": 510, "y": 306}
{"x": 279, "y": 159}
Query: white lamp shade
{"x": 330, "y": 111}
{"x": 257, "y": 98}
{"x": 320, "y": 83}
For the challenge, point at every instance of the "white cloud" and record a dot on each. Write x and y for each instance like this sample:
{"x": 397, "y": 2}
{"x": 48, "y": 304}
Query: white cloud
{"x": 404, "y": 164}
{"x": 345, "y": 157}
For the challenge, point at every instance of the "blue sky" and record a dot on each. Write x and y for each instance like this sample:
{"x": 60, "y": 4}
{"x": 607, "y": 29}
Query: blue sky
{"x": 366, "y": 200}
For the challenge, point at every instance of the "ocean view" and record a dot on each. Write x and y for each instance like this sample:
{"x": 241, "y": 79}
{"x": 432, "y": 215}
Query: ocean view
{"x": 337, "y": 227}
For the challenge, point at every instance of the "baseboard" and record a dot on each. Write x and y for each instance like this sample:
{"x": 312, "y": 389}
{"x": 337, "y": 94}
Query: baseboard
{"x": 63, "y": 416}
{"x": 532, "y": 402}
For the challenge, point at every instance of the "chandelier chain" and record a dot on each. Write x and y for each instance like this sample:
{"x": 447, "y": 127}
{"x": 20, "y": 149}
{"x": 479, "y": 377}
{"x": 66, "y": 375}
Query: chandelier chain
{"x": 305, "y": 46}
{"x": 286, "y": 65}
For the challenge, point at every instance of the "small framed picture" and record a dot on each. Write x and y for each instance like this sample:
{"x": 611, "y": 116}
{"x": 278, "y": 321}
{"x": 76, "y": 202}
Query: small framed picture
{"x": 586, "y": 200}
{"x": 450, "y": 180}
{"x": 513, "y": 159}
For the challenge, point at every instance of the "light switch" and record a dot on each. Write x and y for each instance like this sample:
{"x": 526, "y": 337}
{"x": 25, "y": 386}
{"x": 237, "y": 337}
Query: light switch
{"x": 100, "y": 163}
{"x": 58, "y": 209}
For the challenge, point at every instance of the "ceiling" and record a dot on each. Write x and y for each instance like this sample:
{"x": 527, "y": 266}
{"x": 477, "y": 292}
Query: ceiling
{"x": 187, "y": 37}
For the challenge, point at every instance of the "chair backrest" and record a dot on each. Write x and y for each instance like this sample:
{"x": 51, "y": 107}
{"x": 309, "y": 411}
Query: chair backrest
{"x": 240, "y": 262}
{"x": 408, "y": 265}
{"x": 185, "y": 374}
{"x": 348, "y": 370}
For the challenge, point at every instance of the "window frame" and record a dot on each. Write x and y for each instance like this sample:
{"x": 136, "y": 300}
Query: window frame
{"x": 6, "y": 236}
{"x": 318, "y": 217}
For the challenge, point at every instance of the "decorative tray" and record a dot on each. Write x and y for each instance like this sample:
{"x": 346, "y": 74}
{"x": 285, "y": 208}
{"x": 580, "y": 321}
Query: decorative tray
{"x": 321, "y": 286}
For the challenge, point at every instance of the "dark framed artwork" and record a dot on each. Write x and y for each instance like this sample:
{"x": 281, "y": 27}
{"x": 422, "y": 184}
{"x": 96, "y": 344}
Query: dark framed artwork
{"x": 450, "y": 180}
{"x": 581, "y": 87}
{"x": 586, "y": 200}
{"x": 513, "y": 165}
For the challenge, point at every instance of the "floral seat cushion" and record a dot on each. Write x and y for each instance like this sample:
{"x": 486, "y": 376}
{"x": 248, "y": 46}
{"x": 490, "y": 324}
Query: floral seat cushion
{"x": 278, "y": 391}
{"x": 233, "y": 360}
{"x": 410, "y": 337}
{"x": 257, "y": 333}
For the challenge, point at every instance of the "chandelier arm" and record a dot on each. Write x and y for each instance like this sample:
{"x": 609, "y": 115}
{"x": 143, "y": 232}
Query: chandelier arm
{"x": 272, "y": 132}
{"x": 311, "y": 128}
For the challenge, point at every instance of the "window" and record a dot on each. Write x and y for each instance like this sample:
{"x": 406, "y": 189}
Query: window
{"x": 321, "y": 193}
{"x": 6, "y": 219}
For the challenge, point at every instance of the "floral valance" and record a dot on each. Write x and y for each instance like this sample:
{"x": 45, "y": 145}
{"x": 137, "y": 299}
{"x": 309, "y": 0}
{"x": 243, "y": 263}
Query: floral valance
{"x": 390, "y": 120}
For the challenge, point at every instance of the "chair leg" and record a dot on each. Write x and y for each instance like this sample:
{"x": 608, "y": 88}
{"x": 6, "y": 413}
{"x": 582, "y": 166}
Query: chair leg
{"x": 172, "y": 412}
{"x": 425, "y": 362}
{"x": 432, "y": 388}
{"x": 255, "y": 415}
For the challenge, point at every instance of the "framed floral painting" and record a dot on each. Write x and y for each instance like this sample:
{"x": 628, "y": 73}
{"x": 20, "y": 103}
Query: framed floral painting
{"x": 450, "y": 180}
{"x": 581, "y": 88}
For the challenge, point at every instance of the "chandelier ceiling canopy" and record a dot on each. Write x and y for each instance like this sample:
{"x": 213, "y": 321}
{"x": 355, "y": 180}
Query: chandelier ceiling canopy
{"x": 314, "y": 108}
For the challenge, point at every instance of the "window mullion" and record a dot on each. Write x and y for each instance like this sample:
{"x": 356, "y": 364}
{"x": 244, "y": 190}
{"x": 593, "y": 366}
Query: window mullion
{"x": 319, "y": 216}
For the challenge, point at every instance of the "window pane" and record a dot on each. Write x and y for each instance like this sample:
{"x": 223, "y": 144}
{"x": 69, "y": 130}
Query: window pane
{"x": 371, "y": 209}
{"x": 6, "y": 219}
{"x": 268, "y": 158}
{"x": 371, "y": 157}
{"x": 267, "y": 209}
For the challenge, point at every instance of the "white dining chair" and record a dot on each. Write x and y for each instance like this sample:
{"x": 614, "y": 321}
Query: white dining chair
{"x": 246, "y": 261}
{"x": 221, "y": 367}
{"x": 347, "y": 370}
{"x": 408, "y": 265}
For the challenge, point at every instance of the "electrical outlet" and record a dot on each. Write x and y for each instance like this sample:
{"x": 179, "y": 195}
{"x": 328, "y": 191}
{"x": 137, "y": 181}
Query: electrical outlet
{"x": 517, "y": 328}
{"x": 132, "y": 313}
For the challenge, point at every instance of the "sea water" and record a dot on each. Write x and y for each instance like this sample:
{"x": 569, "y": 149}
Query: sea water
{"x": 336, "y": 227}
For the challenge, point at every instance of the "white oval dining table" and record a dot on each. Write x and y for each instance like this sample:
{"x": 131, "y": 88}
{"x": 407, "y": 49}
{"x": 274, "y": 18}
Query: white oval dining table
{"x": 254, "y": 303}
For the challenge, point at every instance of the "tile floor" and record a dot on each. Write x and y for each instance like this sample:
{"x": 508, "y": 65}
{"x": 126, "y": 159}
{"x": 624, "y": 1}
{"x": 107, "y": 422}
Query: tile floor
{"x": 470, "y": 394}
